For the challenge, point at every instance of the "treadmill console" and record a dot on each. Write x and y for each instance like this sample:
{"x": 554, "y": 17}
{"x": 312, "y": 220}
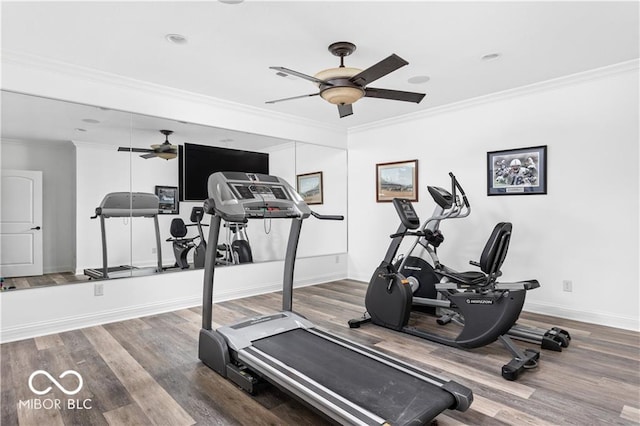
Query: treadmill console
{"x": 407, "y": 213}
{"x": 441, "y": 196}
{"x": 240, "y": 196}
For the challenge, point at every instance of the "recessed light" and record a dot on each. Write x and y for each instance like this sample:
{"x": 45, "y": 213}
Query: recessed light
{"x": 176, "y": 38}
{"x": 231, "y": 1}
{"x": 490, "y": 56}
{"x": 227, "y": 140}
{"x": 90, "y": 120}
{"x": 78, "y": 129}
{"x": 418, "y": 79}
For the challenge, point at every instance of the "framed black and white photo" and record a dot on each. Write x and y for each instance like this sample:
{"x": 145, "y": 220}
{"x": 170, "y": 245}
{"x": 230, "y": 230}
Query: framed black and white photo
{"x": 520, "y": 171}
{"x": 309, "y": 186}
{"x": 397, "y": 180}
{"x": 168, "y": 196}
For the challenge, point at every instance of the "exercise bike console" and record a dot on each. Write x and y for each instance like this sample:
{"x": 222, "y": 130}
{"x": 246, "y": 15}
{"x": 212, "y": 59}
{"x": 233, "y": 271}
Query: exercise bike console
{"x": 407, "y": 213}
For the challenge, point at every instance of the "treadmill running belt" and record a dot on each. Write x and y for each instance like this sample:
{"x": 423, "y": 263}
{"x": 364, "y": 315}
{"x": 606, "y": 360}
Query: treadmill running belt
{"x": 394, "y": 395}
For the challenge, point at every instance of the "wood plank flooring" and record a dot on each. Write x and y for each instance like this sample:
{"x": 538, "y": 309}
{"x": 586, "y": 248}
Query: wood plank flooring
{"x": 146, "y": 371}
{"x": 45, "y": 280}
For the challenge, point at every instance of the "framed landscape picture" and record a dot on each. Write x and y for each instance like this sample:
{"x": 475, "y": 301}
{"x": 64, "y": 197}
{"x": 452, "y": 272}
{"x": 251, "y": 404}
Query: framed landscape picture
{"x": 309, "y": 187}
{"x": 397, "y": 180}
{"x": 520, "y": 171}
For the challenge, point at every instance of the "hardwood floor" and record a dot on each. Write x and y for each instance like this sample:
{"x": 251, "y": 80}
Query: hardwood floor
{"x": 146, "y": 371}
{"x": 45, "y": 280}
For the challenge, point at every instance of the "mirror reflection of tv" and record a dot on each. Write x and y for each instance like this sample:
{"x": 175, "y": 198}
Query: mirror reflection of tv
{"x": 198, "y": 162}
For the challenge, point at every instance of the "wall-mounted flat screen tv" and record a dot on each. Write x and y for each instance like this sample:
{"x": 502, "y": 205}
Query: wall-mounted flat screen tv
{"x": 197, "y": 162}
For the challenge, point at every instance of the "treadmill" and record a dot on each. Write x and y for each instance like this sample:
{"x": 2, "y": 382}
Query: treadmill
{"x": 126, "y": 204}
{"x": 344, "y": 381}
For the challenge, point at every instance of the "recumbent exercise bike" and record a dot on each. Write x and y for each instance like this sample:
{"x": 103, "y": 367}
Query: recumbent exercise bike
{"x": 489, "y": 308}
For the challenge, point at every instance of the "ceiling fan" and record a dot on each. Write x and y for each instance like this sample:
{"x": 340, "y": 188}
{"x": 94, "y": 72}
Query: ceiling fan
{"x": 343, "y": 86}
{"x": 164, "y": 150}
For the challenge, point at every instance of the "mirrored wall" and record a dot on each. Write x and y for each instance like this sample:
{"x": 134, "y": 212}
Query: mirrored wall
{"x": 84, "y": 153}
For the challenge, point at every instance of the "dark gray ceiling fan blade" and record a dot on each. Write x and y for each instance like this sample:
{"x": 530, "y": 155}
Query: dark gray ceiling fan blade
{"x": 150, "y": 155}
{"x": 394, "y": 95}
{"x": 295, "y": 97}
{"x": 378, "y": 70}
{"x": 122, "y": 148}
{"x": 345, "y": 110}
{"x": 299, "y": 74}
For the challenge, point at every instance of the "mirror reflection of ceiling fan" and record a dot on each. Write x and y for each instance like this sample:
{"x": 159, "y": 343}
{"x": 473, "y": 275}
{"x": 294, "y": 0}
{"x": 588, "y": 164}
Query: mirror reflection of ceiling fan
{"x": 343, "y": 86}
{"x": 164, "y": 150}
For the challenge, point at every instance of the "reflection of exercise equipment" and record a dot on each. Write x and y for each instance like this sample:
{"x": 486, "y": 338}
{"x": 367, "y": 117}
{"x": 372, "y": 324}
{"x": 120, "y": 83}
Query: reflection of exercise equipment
{"x": 424, "y": 270}
{"x": 238, "y": 240}
{"x": 489, "y": 308}
{"x": 348, "y": 382}
{"x": 126, "y": 204}
{"x": 183, "y": 244}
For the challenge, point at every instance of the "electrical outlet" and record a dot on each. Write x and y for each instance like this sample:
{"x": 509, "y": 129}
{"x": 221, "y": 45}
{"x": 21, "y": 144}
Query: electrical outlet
{"x": 154, "y": 250}
{"x": 98, "y": 289}
{"x": 567, "y": 285}
{"x": 337, "y": 259}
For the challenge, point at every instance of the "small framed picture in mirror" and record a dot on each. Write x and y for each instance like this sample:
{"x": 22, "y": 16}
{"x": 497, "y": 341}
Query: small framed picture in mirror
{"x": 309, "y": 186}
{"x": 168, "y": 196}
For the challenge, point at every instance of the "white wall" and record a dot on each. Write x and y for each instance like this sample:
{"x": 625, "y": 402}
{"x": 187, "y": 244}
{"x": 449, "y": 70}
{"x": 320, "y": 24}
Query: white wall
{"x": 585, "y": 229}
{"x": 56, "y": 161}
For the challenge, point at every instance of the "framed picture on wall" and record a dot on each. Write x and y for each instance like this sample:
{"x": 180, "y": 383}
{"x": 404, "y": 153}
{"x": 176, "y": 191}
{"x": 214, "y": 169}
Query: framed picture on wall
{"x": 168, "y": 196}
{"x": 309, "y": 186}
{"x": 520, "y": 171}
{"x": 397, "y": 180}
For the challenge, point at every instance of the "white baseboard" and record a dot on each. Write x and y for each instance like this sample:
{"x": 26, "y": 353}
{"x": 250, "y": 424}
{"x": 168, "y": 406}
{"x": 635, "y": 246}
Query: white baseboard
{"x": 600, "y": 318}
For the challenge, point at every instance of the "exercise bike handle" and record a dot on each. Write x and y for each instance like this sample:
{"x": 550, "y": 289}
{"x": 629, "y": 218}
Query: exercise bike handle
{"x": 327, "y": 216}
{"x": 455, "y": 184}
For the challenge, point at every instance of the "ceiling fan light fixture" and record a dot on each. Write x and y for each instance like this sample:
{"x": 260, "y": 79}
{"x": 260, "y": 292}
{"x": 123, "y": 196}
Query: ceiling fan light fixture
{"x": 342, "y": 95}
{"x": 167, "y": 155}
{"x": 343, "y": 92}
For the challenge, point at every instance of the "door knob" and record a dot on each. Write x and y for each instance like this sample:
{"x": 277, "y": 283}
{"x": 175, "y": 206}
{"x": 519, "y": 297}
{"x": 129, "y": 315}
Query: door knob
{"x": 37, "y": 228}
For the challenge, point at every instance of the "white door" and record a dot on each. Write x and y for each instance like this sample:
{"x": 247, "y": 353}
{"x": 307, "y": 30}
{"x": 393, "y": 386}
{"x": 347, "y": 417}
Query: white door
{"x": 21, "y": 223}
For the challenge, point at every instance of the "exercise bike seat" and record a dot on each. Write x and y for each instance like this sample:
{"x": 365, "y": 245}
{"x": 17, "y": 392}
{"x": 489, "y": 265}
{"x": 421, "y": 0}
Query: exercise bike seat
{"x": 491, "y": 260}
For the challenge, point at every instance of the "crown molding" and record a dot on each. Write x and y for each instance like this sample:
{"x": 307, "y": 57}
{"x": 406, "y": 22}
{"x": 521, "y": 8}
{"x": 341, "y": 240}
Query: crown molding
{"x": 590, "y": 75}
{"x": 102, "y": 77}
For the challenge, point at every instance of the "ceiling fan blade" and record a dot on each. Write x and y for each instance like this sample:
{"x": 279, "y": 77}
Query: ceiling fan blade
{"x": 378, "y": 70}
{"x": 123, "y": 148}
{"x": 150, "y": 155}
{"x": 394, "y": 95}
{"x": 299, "y": 74}
{"x": 345, "y": 110}
{"x": 295, "y": 97}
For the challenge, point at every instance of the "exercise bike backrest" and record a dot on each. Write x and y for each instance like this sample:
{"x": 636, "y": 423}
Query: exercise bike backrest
{"x": 178, "y": 228}
{"x": 495, "y": 250}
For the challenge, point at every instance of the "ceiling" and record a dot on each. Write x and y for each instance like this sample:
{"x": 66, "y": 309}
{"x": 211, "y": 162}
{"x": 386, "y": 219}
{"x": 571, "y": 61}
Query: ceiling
{"x": 33, "y": 118}
{"x": 231, "y": 47}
